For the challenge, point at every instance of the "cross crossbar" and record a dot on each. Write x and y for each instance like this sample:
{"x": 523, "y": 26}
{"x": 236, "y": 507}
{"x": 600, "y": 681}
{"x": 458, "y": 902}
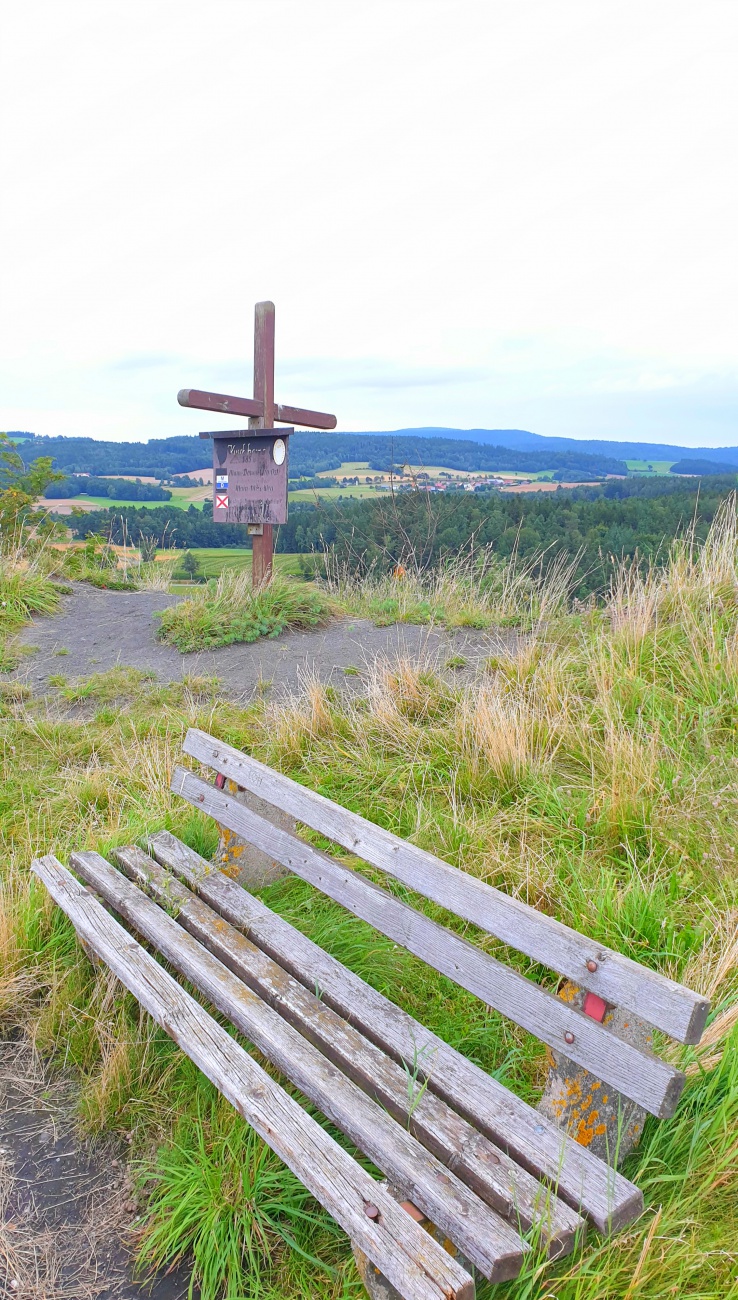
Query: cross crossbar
{"x": 250, "y": 406}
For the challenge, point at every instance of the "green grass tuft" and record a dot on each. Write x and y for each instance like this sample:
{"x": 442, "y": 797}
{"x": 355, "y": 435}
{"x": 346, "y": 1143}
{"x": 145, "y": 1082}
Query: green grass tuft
{"x": 220, "y": 1197}
{"x": 24, "y": 591}
{"x": 228, "y": 611}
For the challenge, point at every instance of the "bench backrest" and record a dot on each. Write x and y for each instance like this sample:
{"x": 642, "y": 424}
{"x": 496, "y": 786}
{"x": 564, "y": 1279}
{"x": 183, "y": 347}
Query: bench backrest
{"x": 616, "y": 979}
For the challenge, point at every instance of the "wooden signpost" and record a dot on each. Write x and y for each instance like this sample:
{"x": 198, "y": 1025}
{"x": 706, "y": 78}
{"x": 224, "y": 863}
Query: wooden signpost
{"x": 250, "y": 470}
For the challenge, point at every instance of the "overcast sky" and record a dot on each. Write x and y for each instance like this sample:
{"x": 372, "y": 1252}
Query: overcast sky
{"x": 506, "y": 213}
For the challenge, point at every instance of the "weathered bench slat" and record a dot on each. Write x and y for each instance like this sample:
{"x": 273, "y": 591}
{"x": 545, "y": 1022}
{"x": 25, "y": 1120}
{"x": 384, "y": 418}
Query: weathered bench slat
{"x": 669, "y": 1006}
{"x": 643, "y": 1077}
{"x": 486, "y": 1169}
{"x": 486, "y": 1239}
{"x": 415, "y": 1264}
{"x": 602, "y": 1194}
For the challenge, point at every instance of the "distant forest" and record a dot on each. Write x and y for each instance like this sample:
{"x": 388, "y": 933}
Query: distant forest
{"x": 695, "y": 465}
{"x": 117, "y": 489}
{"x": 310, "y": 453}
{"x": 622, "y": 518}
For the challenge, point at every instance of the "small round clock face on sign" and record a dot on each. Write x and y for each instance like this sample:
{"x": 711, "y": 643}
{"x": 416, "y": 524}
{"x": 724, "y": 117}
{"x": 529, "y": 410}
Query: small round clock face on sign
{"x": 279, "y": 451}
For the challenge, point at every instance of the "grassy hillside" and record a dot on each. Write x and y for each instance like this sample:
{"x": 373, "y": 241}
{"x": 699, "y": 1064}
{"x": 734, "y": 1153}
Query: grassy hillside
{"x": 182, "y": 498}
{"x": 593, "y": 775}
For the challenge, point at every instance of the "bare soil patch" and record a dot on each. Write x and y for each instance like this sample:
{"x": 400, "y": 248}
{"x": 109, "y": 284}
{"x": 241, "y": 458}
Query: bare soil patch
{"x": 97, "y": 630}
{"x": 67, "y": 1210}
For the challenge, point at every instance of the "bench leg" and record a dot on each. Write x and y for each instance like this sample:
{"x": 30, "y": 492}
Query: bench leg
{"x": 375, "y": 1283}
{"x": 590, "y": 1111}
{"x": 243, "y": 861}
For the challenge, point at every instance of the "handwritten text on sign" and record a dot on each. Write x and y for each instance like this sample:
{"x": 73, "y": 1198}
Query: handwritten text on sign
{"x": 250, "y": 477}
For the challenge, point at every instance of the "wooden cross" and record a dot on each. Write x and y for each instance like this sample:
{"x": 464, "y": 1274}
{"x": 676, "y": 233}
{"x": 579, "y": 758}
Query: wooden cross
{"x": 262, "y": 411}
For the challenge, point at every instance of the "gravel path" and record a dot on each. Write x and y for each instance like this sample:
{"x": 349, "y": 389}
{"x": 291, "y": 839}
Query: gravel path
{"x": 97, "y": 630}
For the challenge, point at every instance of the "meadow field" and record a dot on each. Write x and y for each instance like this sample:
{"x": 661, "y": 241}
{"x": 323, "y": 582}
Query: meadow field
{"x": 594, "y": 774}
{"x": 358, "y": 492}
{"x": 213, "y": 560}
{"x": 361, "y": 468}
{"x": 184, "y": 497}
{"x": 650, "y": 466}
{"x": 181, "y": 497}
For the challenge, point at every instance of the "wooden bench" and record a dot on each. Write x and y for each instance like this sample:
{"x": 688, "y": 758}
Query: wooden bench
{"x": 483, "y": 1169}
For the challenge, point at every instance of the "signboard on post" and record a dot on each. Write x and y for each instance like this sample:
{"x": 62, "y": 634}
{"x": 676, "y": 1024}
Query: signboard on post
{"x": 250, "y": 477}
{"x": 250, "y": 470}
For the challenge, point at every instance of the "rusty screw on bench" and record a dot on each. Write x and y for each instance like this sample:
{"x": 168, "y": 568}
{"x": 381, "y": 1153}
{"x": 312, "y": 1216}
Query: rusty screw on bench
{"x": 568, "y": 1036}
{"x": 370, "y": 1210}
{"x": 592, "y": 965}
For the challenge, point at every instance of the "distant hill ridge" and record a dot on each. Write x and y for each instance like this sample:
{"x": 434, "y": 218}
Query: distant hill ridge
{"x": 520, "y": 440}
{"x": 312, "y": 453}
{"x": 524, "y": 440}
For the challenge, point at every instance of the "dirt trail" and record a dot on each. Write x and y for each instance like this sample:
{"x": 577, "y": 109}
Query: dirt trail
{"x": 96, "y": 630}
{"x": 65, "y": 1210}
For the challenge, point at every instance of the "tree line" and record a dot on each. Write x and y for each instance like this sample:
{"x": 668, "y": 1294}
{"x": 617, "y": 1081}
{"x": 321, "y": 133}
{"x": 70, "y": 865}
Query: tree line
{"x": 117, "y": 489}
{"x": 167, "y": 524}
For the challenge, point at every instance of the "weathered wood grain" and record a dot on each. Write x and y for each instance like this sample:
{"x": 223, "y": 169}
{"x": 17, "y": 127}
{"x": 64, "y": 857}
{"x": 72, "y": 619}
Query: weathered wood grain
{"x": 415, "y": 1264}
{"x": 668, "y": 1006}
{"x": 484, "y": 1237}
{"x": 643, "y": 1077}
{"x": 607, "y": 1199}
{"x": 484, "y": 1167}
{"x": 248, "y": 406}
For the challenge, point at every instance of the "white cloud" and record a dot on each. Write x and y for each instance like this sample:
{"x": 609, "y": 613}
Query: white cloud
{"x": 468, "y": 212}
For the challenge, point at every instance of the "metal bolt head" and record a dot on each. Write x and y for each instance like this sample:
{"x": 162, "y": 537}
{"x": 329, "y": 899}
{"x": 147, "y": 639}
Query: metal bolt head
{"x": 201, "y": 798}
{"x": 568, "y": 1036}
{"x": 592, "y": 965}
{"x": 370, "y": 1210}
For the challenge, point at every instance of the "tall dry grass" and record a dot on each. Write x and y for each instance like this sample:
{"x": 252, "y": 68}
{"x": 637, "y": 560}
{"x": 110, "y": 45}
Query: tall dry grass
{"x": 473, "y": 589}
